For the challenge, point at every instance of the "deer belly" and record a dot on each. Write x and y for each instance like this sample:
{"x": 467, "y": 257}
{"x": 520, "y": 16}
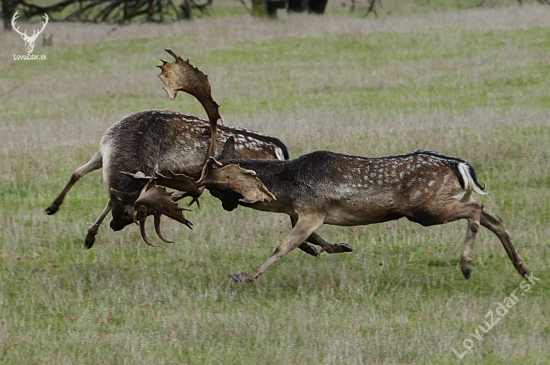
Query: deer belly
{"x": 360, "y": 213}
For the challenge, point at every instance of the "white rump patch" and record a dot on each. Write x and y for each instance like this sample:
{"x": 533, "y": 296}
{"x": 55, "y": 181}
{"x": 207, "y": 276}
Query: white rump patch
{"x": 279, "y": 153}
{"x": 469, "y": 184}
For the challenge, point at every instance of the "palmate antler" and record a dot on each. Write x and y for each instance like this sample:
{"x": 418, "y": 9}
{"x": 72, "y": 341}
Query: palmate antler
{"x": 182, "y": 76}
{"x": 238, "y": 185}
{"x": 156, "y": 201}
{"x": 232, "y": 177}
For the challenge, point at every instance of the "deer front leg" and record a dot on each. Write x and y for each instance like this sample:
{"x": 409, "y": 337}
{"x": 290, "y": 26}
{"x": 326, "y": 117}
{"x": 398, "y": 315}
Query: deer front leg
{"x": 306, "y": 224}
{"x": 494, "y": 223}
{"x": 92, "y": 231}
{"x": 95, "y": 163}
{"x": 320, "y": 241}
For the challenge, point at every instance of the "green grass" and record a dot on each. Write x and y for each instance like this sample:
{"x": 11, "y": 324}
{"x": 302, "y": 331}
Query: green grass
{"x": 400, "y": 298}
{"x": 272, "y": 70}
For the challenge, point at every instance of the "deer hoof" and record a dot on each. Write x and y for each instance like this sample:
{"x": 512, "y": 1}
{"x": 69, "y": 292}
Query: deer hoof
{"x": 525, "y": 274}
{"x": 309, "y": 249}
{"x": 338, "y": 248}
{"x": 344, "y": 247}
{"x": 90, "y": 239}
{"x": 52, "y": 209}
{"x": 239, "y": 278}
{"x": 465, "y": 267}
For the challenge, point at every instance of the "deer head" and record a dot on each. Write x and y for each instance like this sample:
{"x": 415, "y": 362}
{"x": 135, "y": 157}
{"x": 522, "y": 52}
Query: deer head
{"x": 122, "y": 208}
{"x": 29, "y": 40}
{"x": 182, "y": 76}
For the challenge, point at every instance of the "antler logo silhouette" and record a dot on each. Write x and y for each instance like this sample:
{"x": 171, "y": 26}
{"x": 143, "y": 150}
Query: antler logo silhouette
{"x": 29, "y": 40}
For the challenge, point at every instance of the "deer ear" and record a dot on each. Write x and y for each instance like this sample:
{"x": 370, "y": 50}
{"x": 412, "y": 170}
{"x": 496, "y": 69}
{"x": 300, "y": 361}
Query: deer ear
{"x": 228, "y": 149}
{"x": 123, "y": 196}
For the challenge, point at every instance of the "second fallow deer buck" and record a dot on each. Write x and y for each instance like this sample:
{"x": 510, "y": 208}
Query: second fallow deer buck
{"x": 329, "y": 188}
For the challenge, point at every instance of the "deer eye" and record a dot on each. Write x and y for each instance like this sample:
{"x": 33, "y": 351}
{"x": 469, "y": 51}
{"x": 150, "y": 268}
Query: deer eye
{"x": 126, "y": 214}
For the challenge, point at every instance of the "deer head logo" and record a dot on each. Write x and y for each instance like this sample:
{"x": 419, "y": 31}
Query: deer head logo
{"x": 29, "y": 40}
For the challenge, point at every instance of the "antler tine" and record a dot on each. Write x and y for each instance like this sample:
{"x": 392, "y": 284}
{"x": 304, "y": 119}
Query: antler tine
{"x": 44, "y": 23}
{"x": 157, "y": 228}
{"x": 144, "y": 235}
{"x": 171, "y": 53}
{"x": 157, "y": 201}
{"x": 194, "y": 198}
{"x": 140, "y": 215}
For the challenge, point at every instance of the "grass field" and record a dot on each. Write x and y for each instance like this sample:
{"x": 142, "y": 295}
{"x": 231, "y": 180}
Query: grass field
{"x": 473, "y": 83}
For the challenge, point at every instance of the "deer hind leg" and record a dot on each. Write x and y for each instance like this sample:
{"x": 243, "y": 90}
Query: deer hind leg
{"x": 92, "y": 231}
{"x": 494, "y": 223}
{"x": 305, "y": 225}
{"x": 316, "y": 239}
{"x": 95, "y": 163}
{"x": 470, "y": 210}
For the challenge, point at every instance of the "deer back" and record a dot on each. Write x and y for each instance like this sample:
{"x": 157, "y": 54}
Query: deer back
{"x": 169, "y": 141}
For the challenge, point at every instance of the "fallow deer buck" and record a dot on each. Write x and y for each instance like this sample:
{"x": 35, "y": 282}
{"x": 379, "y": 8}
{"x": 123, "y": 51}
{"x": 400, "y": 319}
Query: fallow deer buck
{"x": 166, "y": 148}
{"x": 329, "y": 188}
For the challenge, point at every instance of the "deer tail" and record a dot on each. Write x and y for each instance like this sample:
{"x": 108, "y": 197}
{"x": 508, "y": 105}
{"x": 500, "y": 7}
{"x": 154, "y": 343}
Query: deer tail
{"x": 469, "y": 179}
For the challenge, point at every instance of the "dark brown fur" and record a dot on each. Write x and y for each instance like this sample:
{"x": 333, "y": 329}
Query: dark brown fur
{"x": 329, "y": 188}
{"x": 159, "y": 141}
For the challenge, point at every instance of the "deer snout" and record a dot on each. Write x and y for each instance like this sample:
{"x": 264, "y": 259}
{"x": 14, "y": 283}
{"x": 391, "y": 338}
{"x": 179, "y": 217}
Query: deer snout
{"x": 120, "y": 221}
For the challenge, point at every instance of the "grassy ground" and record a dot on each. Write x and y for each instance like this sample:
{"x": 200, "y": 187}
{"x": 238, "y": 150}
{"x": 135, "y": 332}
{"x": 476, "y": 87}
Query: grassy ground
{"x": 471, "y": 83}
